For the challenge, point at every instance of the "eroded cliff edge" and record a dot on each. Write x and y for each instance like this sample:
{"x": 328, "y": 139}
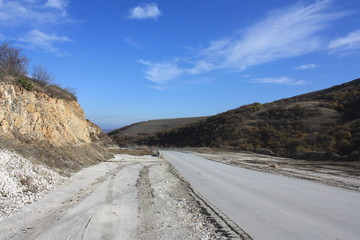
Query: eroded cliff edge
{"x": 48, "y": 129}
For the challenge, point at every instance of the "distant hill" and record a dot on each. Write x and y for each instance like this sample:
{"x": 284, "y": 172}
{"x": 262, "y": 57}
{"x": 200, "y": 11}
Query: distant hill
{"x": 128, "y": 134}
{"x": 319, "y": 125}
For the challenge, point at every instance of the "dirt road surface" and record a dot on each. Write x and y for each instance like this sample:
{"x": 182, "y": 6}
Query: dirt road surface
{"x": 127, "y": 197}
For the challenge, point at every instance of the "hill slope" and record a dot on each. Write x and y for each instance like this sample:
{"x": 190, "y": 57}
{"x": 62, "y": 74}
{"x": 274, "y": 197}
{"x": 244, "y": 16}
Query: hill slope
{"x": 45, "y": 124}
{"x": 322, "y": 124}
{"x": 127, "y": 134}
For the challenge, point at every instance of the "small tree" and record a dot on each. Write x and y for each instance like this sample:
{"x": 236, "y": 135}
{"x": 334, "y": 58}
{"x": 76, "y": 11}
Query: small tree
{"x": 41, "y": 75}
{"x": 12, "y": 61}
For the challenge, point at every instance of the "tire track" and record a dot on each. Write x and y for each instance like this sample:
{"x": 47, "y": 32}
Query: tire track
{"x": 108, "y": 228}
{"x": 78, "y": 230}
{"x": 53, "y": 216}
{"x": 147, "y": 227}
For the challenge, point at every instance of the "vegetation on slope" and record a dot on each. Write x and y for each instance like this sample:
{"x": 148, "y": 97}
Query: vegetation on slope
{"x": 64, "y": 159}
{"x": 13, "y": 68}
{"x": 128, "y": 134}
{"x": 323, "y": 124}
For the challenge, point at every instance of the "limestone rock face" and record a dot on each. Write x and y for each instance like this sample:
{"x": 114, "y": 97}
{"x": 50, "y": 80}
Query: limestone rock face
{"x": 94, "y": 130}
{"x": 36, "y": 116}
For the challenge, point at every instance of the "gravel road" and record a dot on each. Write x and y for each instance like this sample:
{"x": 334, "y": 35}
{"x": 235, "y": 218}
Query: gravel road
{"x": 268, "y": 206}
{"x": 127, "y": 197}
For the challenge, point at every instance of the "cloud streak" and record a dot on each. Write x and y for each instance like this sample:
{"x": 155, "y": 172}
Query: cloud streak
{"x": 132, "y": 43}
{"x": 306, "y": 67}
{"x": 284, "y": 33}
{"x": 145, "y": 11}
{"x": 57, "y": 4}
{"x": 16, "y": 12}
{"x": 162, "y": 72}
{"x": 31, "y": 17}
{"x": 347, "y": 43}
{"x": 279, "y": 81}
{"x": 36, "y": 39}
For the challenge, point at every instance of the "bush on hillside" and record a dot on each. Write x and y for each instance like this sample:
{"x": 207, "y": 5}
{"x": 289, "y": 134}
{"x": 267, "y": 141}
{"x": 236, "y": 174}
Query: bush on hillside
{"x": 12, "y": 61}
{"x": 25, "y": 83}
{"x": 13, "y": 69}
{"x": 41, "y": 75}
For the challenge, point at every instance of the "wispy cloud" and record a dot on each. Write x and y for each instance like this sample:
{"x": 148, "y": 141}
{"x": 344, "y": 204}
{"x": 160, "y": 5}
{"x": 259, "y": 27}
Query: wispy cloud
{"x": 36, "y": 39}
{"x": 26, "y": 22}
{"x": 57, "y": 4}
{"x": 17, "y": 12}
{"x": 132, "y": 43}
{"x": 145, "y": 11}
{"x": 284, "y": 33}
{"x": 278, "y": 80}
{"x": 306, "y": 67}
{"x": 162, "y": 71}
{"x": 347, "y": 43}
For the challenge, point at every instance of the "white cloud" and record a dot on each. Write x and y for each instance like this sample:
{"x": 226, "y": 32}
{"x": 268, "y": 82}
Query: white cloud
{"x": 162, "y": 72}
{"x": 278, "y": 80}
{"x": 58, "y": 4}
{"x": 349, "y": 42}
{"x": 306, "y": 67}
{"x": 22, "y": 13}
{"x": 19, "y": 18}
{"x": 132, "y": 43}
{"x": 145, "y": 11}
{"x": 39, "y": 40}
{"x": 284, "y": 33}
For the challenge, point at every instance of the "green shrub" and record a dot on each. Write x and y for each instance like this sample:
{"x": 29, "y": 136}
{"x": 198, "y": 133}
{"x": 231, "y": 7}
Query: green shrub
{"x": 56, "y": 91}
{"x": 2, "y": 75}
{"x": 25, "y": 83}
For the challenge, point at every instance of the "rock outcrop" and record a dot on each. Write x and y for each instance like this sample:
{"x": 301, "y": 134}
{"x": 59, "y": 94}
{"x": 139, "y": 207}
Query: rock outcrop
{"x": 35, "y": 116}
{"x": 48, "y": 128}
{"x": 44, "y": 137}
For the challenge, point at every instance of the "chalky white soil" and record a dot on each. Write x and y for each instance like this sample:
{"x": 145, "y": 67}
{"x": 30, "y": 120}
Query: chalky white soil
{"x": 22, "y": 182}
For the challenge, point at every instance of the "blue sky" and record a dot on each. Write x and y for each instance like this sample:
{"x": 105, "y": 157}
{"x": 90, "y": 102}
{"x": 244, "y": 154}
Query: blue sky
{"x": 138, "y": 60}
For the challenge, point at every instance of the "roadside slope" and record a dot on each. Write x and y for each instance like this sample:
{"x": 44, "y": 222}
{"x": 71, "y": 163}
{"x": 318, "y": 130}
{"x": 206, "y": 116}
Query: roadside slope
{"x": 44, "y": 137}
{"x": 47, "y": 126}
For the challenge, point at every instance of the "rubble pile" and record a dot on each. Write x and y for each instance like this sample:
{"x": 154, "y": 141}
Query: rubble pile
{"x": 22, "y": 182}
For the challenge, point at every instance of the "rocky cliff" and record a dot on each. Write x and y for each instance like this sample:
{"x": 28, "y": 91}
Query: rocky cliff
{"x": 35, "y": 116}
{"x": 46, "y": 126}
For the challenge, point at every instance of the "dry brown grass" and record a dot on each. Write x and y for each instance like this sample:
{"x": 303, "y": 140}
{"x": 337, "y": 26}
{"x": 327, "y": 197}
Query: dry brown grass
{"x": 64, "y": 160}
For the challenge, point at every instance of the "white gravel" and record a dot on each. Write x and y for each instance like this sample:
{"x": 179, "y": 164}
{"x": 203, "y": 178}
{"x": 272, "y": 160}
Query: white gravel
{"x": 22, "y": 182}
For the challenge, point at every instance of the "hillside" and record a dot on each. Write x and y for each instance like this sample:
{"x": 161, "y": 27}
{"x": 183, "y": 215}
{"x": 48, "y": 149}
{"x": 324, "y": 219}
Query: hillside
{"x": 126, "y": 135}
{"x": 45, "y": 124}
{"x": 319, "y": 125}
{"x": 44, "y": 137}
